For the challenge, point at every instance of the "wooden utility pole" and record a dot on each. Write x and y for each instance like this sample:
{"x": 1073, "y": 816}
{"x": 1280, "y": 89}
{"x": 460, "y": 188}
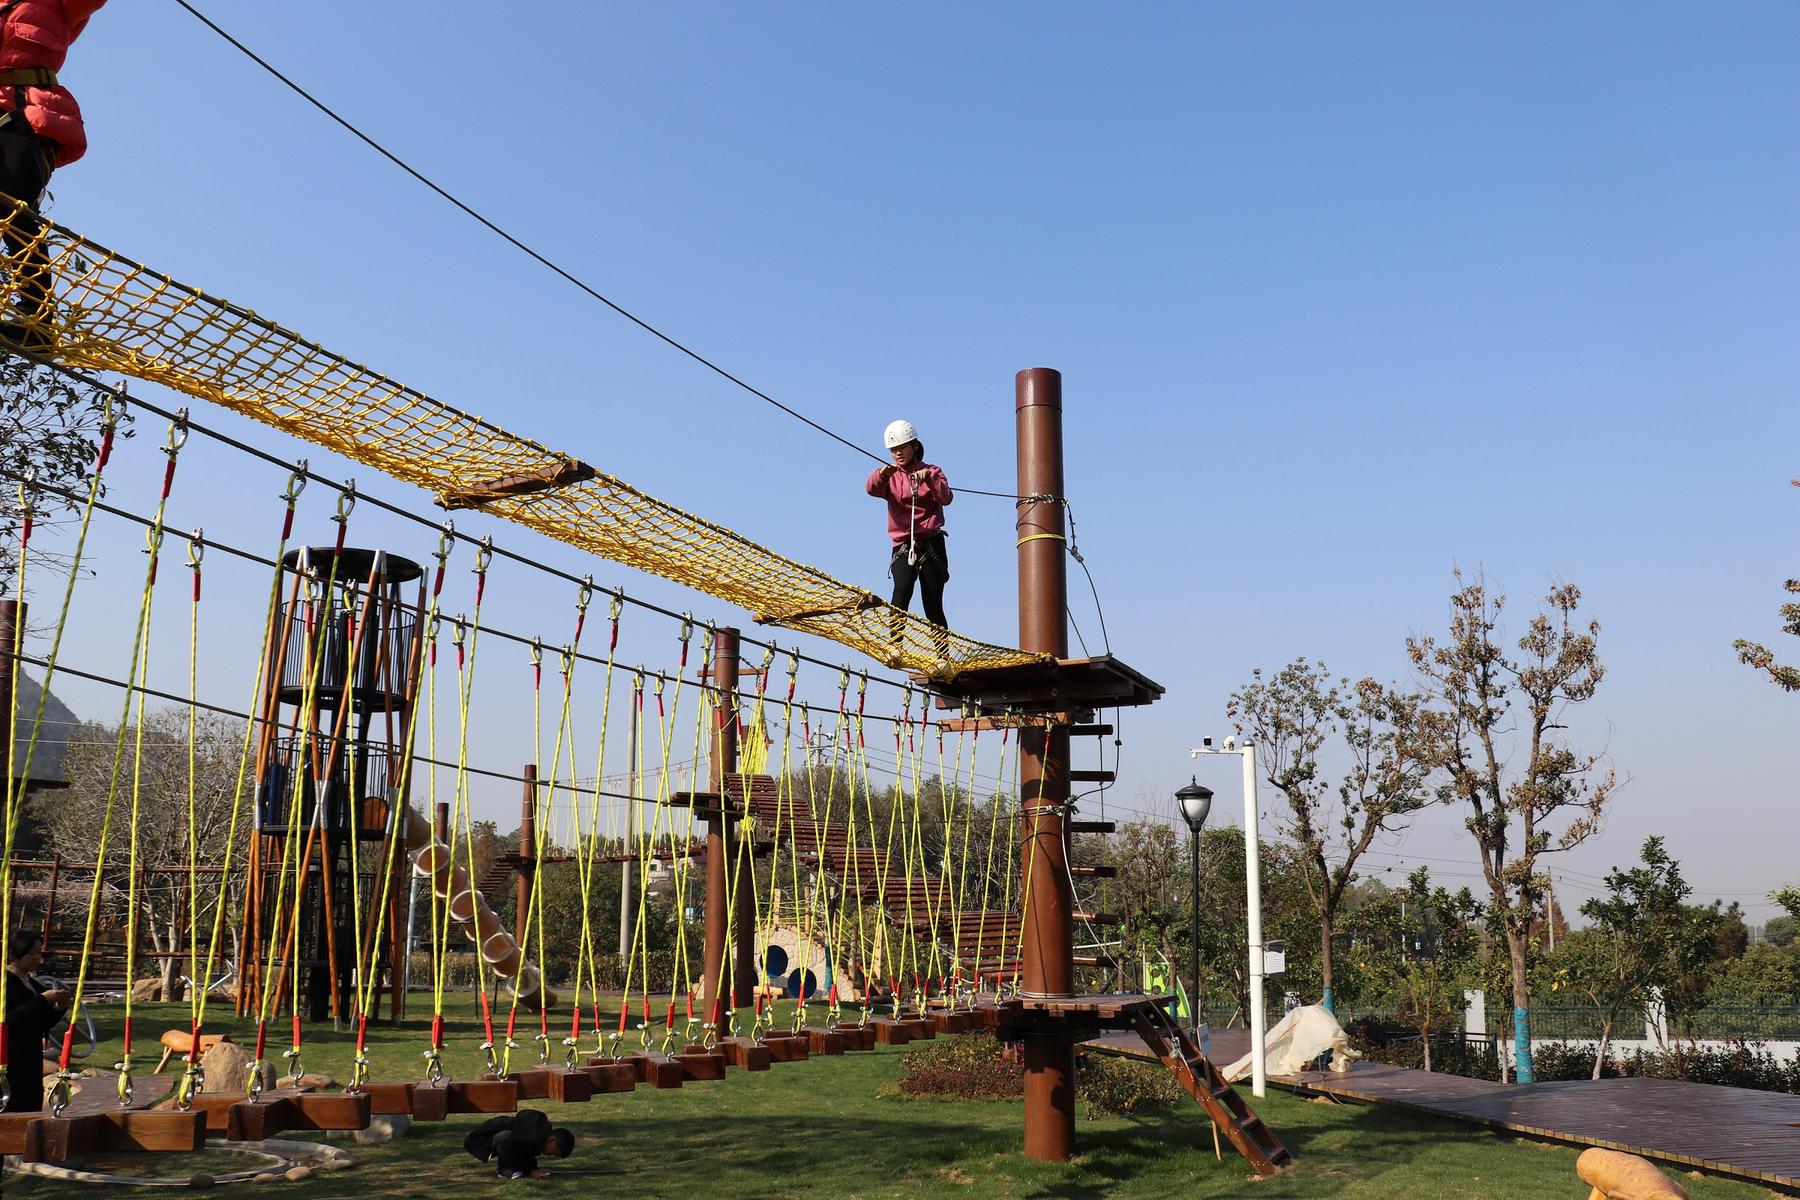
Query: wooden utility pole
{"x": 721, "y": 762}
{"x": 1048, "y": 969}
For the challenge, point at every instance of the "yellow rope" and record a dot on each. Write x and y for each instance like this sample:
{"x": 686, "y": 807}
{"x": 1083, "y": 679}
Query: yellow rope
{"x": 117, "y": 315}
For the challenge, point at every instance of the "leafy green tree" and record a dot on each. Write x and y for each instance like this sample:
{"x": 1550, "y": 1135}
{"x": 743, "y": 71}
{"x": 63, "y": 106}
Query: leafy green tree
{"x": 1759, "y": 658}
{"x": 1780, "y": 931}
{"x": 1767, "y": 975}
{"x": 1641, "y": 936}
{"x": 1503, "y": 757}
{"x": 1291, "y": 717}
{"x": 1424, "y": 945}
{"x": 49, "y": 429}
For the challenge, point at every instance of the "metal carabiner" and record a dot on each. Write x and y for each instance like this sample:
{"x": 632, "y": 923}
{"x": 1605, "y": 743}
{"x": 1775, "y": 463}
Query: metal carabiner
{"x": 294, "y": 1071}
{"x": 60, "y": 1093}
{"x": 153, "y": 540}
{"x": 297, "y": 481}
{"x": 687, "y": 627}
{"x": 178, "y": 433}
{"x": 543, "y": 1041}
{"x": 584, "y": 595}
{"x": 434, "y": 1067}
{"x": 446, "y": 541}
{"x": 253, "y": 1079}
{"x": 191, "y": 1083}
{"x": 618, "y": 603}
{"x": 346, "y": 502}
{"x": 537, "y": 651}
{"x": 493, "y": 1060}
{"x": 196, "y": 549}
{"x": 569, "y": 1049}
{"x": 484, "y": 554}
{"x": 359, "y": 1074}
{"x": 125, "y": 1088}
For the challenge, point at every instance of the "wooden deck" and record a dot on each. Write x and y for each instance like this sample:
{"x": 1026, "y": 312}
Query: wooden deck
{"x": 1732, "y": 1131}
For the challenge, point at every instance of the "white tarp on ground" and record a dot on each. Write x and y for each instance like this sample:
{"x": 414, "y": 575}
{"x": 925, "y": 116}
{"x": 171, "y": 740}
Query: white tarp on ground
{"x": 1296, "y": 1040}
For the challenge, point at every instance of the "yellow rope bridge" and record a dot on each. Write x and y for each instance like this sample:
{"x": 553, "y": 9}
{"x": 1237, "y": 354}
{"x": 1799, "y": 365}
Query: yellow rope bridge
{"x": 112, "y": 314}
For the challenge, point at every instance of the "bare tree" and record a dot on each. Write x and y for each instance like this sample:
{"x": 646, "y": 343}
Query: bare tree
{"x": 1291, "y": 717}
{"x": 167, "y": 898}
{"x": 1526, "y": 791}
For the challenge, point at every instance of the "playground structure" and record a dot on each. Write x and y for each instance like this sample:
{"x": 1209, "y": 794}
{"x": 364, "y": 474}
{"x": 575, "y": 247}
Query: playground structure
{"x": 332, "y": 748}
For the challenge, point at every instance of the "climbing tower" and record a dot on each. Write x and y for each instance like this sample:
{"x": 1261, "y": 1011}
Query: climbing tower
{"x": 331, "y": 779}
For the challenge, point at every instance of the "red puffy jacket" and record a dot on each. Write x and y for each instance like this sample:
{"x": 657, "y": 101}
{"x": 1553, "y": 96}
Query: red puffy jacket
{"x": 37, "y": 33}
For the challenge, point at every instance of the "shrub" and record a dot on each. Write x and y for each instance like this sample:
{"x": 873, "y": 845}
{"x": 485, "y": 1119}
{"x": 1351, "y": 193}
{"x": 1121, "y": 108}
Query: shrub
{"x": 1118, "y": 1085}
{"x": 974, "y": 1066}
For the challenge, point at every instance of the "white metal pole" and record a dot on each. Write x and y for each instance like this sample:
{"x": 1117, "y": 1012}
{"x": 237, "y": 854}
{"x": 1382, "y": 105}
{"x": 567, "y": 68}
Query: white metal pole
{"x": 1259, "y": 1067}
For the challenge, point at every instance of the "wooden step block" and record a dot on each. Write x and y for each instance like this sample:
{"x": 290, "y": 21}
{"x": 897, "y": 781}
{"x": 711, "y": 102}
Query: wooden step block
{"x": 608, "y": 1075}
{"x": 59, "y": 1139}
{"x": 1091, "y": 826}
{"x": 826, "y": 1041}
{"x": 659, "y": 1070}
{"x": 258, "y": 1120}
{"x": 490, "y": 1096}
{"x": 856, "y": 1037}
{"x": 700, "y": 1064}
{"x": 388, "y": 1099}
{"x": 570, "y": 1086}
{"x": 890, "y": 1032}
{"x": 1098, "y": 871}
{"x": 534, "y": 1082}
{"x": 786, "y": 1046}
{"x": 1090, "y": 777}
{"x": 745, "y": 1054}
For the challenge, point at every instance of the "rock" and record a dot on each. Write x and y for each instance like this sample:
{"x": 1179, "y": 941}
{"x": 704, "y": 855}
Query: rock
{"x": 384, "y": 1129}
{"x": 200, "y": 1181}
{"x": 317, "y": 1081}
{"x": 296, "y": 1174}
{"x": 265, "y": 1177}
{"x": 146, "y": 989}
{"x": 227, "y": 1068}
{"x": 339, "y": 1160}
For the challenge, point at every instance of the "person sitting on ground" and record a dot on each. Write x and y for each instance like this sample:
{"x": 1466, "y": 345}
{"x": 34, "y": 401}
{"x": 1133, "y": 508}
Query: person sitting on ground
{"x": 32, "y": 1011}
{"x": 916, "y": 493}
{"x": 514, "y": 1143}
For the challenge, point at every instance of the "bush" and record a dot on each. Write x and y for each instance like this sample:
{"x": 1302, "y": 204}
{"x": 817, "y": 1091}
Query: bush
{"x": 1119, "y": 1085}
{"x": 974, "y": 1066}
{"x": 1737, "y": 1064}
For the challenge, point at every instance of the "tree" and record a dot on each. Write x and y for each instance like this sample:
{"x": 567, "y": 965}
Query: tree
{"x": 1526, "y": 791}
{"x": 50, "y": 430}
{"x": 1642, "y": 936}
{"x": 1291, "y": 717}
{"x": 72, "y": 819}
{"x": 1424, "y": 944}
{"x": 1757, "y": 657}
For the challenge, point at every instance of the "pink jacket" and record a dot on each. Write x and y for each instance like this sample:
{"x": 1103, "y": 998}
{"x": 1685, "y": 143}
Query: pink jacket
{"x": 37, "y": 33}
{"x": 922, "y": 504}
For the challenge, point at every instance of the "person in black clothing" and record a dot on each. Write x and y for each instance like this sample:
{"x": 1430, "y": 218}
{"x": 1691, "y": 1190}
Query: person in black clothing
{"x": 31, "y": 1012}
{"x": 514, "y": 1143}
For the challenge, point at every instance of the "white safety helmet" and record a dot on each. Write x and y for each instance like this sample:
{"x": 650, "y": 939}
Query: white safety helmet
{"x": 898, "y": 433}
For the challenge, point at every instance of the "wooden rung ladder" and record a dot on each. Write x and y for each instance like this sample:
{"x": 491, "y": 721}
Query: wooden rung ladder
{"x": 1246, "y": 1131}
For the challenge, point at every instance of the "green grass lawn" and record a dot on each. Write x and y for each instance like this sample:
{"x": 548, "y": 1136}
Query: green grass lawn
{"x": 819, "y": 1128}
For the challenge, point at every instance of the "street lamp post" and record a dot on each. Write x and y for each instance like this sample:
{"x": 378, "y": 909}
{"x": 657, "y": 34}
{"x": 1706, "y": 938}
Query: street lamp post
{"x": 1246, "y": 750}
{"x": 1195, "y": 801}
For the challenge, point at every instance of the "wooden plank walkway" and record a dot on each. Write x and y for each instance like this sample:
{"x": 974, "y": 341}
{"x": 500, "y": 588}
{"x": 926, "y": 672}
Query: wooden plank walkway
{"x": 1732, "y": 1131}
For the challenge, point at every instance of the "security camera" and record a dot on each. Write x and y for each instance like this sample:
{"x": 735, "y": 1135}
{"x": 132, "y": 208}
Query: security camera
{"x": 1207, "y": 742}
{"x": 1231, "y": 743}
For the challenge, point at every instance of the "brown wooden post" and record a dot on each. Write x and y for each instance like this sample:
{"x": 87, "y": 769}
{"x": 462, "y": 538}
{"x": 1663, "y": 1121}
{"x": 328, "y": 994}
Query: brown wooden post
{"x": 443, "y": 822}
{"x": 1048, "y": 968}
{"x": 721, "y": 761}
{"x": 12, "y": 643}
{"x": 527, "y": 860}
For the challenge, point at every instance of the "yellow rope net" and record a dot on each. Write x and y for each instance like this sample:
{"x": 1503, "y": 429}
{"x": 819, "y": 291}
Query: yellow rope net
{"x": 112, "y": 314}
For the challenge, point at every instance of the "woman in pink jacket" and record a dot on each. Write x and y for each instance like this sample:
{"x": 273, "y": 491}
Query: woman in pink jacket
{"x": 40, "y": 130}
{"x": 916, "y": 493}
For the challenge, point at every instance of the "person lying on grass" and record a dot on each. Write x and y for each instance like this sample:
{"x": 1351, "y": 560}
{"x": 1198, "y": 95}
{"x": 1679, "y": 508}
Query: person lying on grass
{"x": 513, "y": 1144}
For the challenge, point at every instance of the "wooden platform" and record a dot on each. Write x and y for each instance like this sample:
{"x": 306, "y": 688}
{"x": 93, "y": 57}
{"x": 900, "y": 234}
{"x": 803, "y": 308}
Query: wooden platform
{"x": 1732, "y": 1131}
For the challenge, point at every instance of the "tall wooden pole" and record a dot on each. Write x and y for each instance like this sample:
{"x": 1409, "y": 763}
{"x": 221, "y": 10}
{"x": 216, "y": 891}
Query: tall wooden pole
{"x": 1048, "y": 968}
{"x": 12, "y": 626}
{"x": 721, "y": 761}
{"x": 528, "y": 863}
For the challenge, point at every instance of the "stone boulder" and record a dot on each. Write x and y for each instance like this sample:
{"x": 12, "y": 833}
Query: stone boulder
{"x": 227, "y": 1067}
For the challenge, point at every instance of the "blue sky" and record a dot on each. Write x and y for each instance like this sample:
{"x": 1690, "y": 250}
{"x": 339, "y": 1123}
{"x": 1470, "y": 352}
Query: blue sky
{"x": 1344, "y": 297}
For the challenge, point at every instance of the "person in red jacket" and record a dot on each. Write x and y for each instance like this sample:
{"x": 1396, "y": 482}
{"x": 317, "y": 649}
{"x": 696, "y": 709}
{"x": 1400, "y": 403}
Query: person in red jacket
{"x": 916, "y": 493}
{"x": 40, "y": 130}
